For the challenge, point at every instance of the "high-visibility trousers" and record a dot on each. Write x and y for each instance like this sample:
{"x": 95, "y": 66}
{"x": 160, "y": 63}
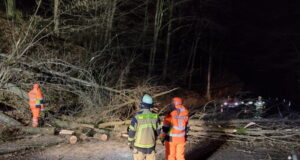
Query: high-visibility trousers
{"x": 35, "y": 116}
{"x": 174, "y": 151}
{"x": 137, "y": 155}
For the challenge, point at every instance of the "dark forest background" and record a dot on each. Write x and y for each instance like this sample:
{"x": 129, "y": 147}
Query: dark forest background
{"x": 104, "y": 52}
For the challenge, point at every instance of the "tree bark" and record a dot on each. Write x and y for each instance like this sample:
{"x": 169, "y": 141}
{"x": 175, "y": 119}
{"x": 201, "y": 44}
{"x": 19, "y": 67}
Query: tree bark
{"x": 109, "y": 124}
{"x": 56, "y": 16}
{"x": 11, "y": 9}
{"x": 208, "y": 91}
{"x": 70, "y": 125}
{"x": 38, "y": 130}
{"x": 157, "y": 27}
{"x": 168, "y": 43}
{"x": 33, "y": 143}
{"x": 9, "y": 121}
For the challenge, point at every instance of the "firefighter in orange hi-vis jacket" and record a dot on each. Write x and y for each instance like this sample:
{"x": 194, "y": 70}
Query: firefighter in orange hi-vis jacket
{"x": 36, "y": 103}
{"x": 175, "y": 129}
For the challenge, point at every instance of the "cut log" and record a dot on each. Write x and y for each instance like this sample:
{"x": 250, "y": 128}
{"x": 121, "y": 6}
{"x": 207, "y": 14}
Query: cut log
{"x": 124, "y": 135}
{"x": 38, "y": 130}
{"x": 102, "y": 137}
{"x": 66, "y": 132}
{"x": 71, "y": 139}
{"x": 8, "y": 120}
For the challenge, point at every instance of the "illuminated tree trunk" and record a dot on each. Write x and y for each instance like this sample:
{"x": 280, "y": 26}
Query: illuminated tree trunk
{"x": 11, "y": 9}
{"x": 112, "y": 6}
{"x": 208, "y": 93}
{"x": 56, "y": 16}
{"x": 168, "y": 44}
{"x": 193, "y": 57}
{"x": 157, "y": 27}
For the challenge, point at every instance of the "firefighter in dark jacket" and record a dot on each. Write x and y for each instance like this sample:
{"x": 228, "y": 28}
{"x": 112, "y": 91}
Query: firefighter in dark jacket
{"x": 144, "y": 130}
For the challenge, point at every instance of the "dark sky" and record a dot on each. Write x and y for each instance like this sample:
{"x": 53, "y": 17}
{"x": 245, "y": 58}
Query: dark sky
{"x": 264, "y": 44}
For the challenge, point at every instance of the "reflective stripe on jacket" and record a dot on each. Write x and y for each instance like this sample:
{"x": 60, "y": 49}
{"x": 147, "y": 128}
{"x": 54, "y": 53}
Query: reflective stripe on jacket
{"x": 36, "y": 98}
{"x": 144, "y": 129}
{"x": 175, "y": 125}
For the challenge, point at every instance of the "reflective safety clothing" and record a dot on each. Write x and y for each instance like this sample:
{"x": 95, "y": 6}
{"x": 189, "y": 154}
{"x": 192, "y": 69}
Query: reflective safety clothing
{"x": 144, "y": 130}
{"x": 174, "y": 151}
{"x": 175, "y": 129}
{"x": 138, "y": 155}
{"x": 36, "y": 103}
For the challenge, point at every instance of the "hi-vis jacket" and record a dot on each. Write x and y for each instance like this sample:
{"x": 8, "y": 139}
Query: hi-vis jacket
{"x": 36, "y": 98}
{"x": 175, "y": 125}
{"x": 144, "y": 130}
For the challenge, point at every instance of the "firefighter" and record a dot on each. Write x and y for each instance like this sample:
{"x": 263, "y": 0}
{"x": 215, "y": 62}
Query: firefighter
{"x": 36, "y": 103}
{"x": 144, "y": 130}
{"x": 175, "y": 129}
{"x": 259, "y": 106}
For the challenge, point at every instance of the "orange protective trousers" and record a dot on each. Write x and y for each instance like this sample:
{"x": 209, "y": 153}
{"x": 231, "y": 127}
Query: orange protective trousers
{"x": 35, "y": 116}
{"x": 175, "y": 151}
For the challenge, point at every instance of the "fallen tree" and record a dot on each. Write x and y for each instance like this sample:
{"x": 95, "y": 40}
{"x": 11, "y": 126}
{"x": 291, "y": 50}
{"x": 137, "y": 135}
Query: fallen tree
{"x": 271, "y": 130}
{"x": 30, "y": 143}
{"x": 8, "y": 120}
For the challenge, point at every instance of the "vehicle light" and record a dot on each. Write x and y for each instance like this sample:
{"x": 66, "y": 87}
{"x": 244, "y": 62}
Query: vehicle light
{"x": 225, "y": 103}
{"x": 236, "y": 103}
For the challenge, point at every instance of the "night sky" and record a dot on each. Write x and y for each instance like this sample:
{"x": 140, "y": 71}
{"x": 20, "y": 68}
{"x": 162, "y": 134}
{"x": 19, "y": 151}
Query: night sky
{"x": 263, "y": 46}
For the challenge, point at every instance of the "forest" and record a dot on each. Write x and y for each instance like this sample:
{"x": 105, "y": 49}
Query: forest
{"x": 95, "y": 59}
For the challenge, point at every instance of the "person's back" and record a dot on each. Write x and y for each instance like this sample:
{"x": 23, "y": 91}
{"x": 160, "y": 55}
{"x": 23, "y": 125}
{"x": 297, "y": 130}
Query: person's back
{"x": 143, "y": 131}
{"x": 175, "y": 128}
{"x": 36, "y": 103}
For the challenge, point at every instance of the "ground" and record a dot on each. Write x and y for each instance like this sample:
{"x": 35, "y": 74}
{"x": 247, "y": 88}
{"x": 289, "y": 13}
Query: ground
{"x": 92, "y": 150}
{"x": 118, "y": 150}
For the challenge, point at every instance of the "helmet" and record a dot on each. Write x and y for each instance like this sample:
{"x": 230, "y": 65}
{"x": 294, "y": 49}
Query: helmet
{"x": 259, "y": 97}
{"x": 176, "y": 101}
{"x": 147, "y": 99}
{"x": 36, "y": 85}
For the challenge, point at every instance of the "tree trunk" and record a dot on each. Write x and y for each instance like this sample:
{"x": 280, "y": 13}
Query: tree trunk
{"x": 168, "y": 43}
{"x": 33, "y": 143}
{"x": 157, "y": 27}
{"x": 56, "y": 16}
{"x": 11, "y": 9}
{"x": 71, "y": 125}
{"x": 112, "y": 4}
{"x": 9, "y": 121}
{"x": 38, "y": 130}
{"x": 102, "y": 137}
{"x": 208, "y": 92}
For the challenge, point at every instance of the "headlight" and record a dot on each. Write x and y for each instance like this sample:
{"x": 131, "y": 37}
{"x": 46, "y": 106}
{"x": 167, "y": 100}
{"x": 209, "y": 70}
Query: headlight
{"x": 236, "y": 103}
{"x": 250, "y": 102}
{"x": 242, "y": 102}
{"x": 225, "y": 103}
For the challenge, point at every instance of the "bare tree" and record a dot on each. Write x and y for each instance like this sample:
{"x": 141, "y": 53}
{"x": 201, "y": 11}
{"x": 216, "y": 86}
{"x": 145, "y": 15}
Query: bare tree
{"x": 157, "y": 27}
{"x": 168, "y": 43}
{"x": 56, "y": 16}
{"x": 209, "y": 72}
